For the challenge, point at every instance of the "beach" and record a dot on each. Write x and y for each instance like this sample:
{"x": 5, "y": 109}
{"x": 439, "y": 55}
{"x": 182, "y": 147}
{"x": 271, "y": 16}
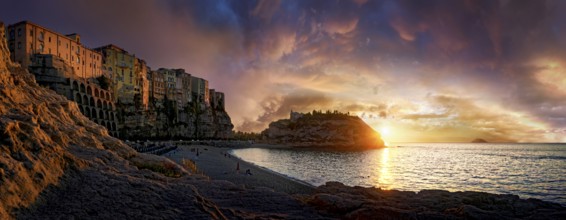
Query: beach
{"x": 218, "y": 164}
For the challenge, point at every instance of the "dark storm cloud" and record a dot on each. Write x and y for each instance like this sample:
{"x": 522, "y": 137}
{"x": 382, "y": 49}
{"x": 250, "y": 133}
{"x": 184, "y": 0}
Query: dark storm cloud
{"x": 279, "y": 107}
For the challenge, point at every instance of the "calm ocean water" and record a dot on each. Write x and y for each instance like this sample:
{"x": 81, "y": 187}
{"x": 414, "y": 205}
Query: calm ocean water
{"x": 527, "y": 170}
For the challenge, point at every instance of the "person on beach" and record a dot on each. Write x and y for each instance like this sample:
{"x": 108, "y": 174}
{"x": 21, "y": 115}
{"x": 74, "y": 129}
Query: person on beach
{"x": 248, "y": 172}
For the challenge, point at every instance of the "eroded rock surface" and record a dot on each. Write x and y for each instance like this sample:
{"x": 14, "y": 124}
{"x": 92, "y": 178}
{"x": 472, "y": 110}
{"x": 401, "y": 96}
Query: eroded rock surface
{"x": 337, "y": 200}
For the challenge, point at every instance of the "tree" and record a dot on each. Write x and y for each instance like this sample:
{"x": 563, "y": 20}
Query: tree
{"x": 104, "y": 82}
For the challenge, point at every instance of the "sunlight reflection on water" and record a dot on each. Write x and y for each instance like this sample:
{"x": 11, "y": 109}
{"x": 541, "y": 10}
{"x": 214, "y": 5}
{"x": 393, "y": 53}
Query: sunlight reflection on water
{"x": 527, "y": 170}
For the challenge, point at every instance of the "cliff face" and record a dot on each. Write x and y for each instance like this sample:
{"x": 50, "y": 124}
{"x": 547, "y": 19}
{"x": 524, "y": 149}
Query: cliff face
{"x": 57, "y": 164}
{"x": 206, "y": 123}
{"x": 333, "y": 130}
{"x": 42, "y": 134}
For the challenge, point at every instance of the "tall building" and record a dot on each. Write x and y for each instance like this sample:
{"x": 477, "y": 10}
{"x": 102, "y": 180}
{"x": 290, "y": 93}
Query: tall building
{"x": 157, "y": 88}
{"x": 199, "y": 88}
{"x": 120, "y": 67}
{"x": 142, "y": 83}
{"x": 183, "y": 88}
{"x": 216, "y": 99}
{"x": 26, "y": 39}
{"x": 170, "y": 77}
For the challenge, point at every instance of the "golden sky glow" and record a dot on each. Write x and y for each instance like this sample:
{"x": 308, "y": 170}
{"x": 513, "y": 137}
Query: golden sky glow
{"x": 448, "y": 71}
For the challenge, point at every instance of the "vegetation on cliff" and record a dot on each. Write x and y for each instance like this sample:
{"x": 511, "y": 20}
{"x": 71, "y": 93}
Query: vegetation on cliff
{"x": 318, "y": 129}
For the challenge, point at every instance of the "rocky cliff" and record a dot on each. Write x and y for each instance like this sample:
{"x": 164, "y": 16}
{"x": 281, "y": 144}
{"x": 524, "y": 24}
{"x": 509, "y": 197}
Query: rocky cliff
{"x": 188, "y": 123}
{"x": 57, "y": 164}
{"x": 329, "y": 130}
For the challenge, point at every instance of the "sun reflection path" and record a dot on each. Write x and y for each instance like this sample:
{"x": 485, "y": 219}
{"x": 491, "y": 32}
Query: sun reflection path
{"x": 384, "y": 180}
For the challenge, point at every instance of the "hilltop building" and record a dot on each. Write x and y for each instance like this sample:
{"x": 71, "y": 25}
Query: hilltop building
{"x": 157, "y": 88}
{"x": 119, "y": 67}
{"x": 117, "y": 90}
{"x": 26, "y": 39}
{"x": 200, "y": 91}
{"x": 183, "y": 94}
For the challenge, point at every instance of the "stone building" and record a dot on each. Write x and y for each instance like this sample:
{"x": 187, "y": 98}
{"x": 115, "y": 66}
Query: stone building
{"x": 142, "y": 84}
{"x": 216, "y": 100}
{"x": 121, "y": 66}
{"x": 93, "y": 101}
{"x": 26, "y": 39}
{"x": 183, "y": 88}
{"x": 157, "y": 88}
{"x": 200, "y": 91}
{"x": 170, "y": 79}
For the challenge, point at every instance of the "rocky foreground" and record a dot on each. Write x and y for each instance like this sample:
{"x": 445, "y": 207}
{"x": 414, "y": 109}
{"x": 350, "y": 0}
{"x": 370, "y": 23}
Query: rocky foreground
{"x": 56, "y": 164}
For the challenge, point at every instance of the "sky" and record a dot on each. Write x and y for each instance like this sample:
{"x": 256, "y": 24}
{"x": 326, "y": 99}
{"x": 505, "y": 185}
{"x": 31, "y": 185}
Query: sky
{"x": 416, "y": 71}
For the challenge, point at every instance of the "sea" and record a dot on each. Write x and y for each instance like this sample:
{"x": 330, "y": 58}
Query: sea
{"x": 527, "y": 170}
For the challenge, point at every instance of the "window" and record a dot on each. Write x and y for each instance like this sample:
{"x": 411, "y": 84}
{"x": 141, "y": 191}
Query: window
{"x": 40, "y": 47}
{"x": 49, "y": 50}
{"x": 31, "y": 46}
{"x": 49, "y": 39}
{"x": 19, "y": 45}
{"x": 40, "y": 37}
{"x": 11, "y": 34}
{"x": 59, "y": 42}
{"x": 31, "y": 33}
{"x": 67, "y": 45}
{"x": 19, "y": 32}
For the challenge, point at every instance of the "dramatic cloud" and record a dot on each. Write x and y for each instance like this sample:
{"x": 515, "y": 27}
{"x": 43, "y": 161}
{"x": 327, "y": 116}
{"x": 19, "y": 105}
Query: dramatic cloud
{"x": 428, "y": 70}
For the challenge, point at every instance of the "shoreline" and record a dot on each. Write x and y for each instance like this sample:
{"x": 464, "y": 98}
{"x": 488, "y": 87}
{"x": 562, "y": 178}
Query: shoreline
{"x": 270, "y": 178}
{"x": 218, "y": 164}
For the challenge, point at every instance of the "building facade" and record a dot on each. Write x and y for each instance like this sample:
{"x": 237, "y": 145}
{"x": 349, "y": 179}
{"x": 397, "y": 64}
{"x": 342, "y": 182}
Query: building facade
{"x": 200, "y": 91}
{"x": 26, "y": 39}
{"x": 142, "y": 84}
{"x": 120, "y": 65}
{"x": 183, "y": 88}
{"x": 157, "y": 88}
{"x": 93, "y": 101}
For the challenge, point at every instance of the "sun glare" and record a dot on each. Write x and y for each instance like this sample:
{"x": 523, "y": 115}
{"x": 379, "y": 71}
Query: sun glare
{"x": 385, "y": 131}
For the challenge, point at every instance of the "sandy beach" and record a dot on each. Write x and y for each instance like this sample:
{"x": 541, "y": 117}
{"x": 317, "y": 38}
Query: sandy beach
{"x": 216, "y": 163}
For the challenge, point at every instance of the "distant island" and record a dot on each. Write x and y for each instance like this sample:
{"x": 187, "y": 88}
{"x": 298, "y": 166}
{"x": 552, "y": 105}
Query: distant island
{"x": 479, "y": 140}
{"x": 328, "y": 129}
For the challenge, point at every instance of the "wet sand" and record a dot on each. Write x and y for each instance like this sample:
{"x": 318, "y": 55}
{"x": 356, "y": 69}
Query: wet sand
{"x": 216, "y": 163}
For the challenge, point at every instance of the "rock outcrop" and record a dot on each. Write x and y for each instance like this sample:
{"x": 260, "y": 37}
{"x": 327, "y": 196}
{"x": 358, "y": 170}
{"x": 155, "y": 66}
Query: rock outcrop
{"x": 479, "y": 140}
{"x": 328, "y": 130}
{"x": 337, "y": 200}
